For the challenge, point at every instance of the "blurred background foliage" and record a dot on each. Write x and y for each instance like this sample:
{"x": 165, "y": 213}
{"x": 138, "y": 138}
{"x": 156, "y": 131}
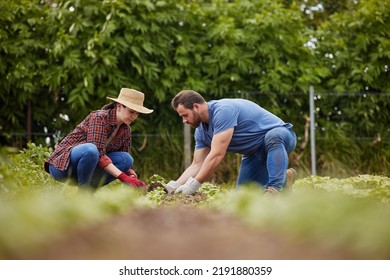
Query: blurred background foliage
{"x": 59, "y": 60}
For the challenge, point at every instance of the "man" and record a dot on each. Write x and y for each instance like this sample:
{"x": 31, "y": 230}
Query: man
{"x": 239, "y": 126}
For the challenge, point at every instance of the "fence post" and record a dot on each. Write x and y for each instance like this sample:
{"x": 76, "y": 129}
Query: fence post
{"x": 187, "y": 145}
{"x": 312, "y": 132}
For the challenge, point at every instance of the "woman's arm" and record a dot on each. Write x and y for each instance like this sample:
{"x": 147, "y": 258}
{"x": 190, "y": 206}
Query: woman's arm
{"x": 113, "y": 170}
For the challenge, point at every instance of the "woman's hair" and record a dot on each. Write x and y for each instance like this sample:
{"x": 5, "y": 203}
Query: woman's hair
{"x": 187, "y": 98}
{"x": 109, "y": 106}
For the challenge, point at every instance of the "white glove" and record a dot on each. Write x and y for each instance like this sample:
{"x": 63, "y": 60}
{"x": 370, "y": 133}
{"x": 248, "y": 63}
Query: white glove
{"x": 190, "y": 187}
{"x": 171, "y": 186}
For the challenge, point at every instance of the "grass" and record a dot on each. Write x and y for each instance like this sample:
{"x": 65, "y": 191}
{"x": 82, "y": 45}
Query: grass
{"x": 350, "y": 213}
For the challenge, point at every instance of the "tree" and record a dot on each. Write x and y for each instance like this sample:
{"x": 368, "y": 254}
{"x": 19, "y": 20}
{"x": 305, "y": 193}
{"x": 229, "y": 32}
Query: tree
{"x": 316, "y": 12}
{"x": 354, "y": 45}
{"x": 61, "y": 59}
{"x": 23, "y": 51}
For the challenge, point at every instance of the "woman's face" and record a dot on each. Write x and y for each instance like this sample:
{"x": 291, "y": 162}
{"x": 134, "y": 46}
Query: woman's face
{"x": 125, "y": 115}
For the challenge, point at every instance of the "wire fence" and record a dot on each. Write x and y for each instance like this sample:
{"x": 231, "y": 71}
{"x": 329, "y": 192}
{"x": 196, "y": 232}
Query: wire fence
{"x": 362, "y": 116}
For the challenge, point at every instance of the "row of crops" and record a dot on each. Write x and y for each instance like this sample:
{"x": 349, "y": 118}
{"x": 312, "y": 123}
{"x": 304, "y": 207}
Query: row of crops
{"x": 351, "y": 213}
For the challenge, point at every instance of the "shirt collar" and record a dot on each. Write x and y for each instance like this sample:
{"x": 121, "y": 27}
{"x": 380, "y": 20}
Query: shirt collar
{"x": 112, "y": 117}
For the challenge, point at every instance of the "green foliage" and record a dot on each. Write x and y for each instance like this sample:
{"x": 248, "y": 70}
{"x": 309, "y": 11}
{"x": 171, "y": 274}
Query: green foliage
{"x": 346, "y": 213}
{"x": 47, "y": 215}
{"x": 352, "y": 134}
{"x": 156, "y": 196}
{"x": 211, "y": 191}
{"x": 362, "y": 186}
{"x": 31, "y": 202}
{"x": 23, "y": 173}
{"x": 337, "y": 213}
{"x": 354, "y": 44}
{"x": 349, "y": 213}
{"x": 61, "y": 59}
{"x": 318, "y": 11}
{"x": 241, "y": 52}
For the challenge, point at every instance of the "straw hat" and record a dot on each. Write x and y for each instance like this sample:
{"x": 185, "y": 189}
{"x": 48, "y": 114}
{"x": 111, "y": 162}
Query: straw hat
{"x": 132, "y": 99}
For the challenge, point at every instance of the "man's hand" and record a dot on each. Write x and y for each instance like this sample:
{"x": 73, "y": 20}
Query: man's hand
{"x": 190, "y": 187}
{"x": 131, "y": 181}
{"x": 171, "y": 186}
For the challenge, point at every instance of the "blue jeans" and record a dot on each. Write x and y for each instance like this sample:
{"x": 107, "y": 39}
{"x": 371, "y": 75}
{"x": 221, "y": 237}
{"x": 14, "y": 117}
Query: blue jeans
{"x": 269, "y": 164}
{"x": 84, "y": 167}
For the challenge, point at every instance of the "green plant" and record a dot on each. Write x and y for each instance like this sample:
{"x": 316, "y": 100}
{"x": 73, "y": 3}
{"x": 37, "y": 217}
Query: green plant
{"x": 349, "y": 213}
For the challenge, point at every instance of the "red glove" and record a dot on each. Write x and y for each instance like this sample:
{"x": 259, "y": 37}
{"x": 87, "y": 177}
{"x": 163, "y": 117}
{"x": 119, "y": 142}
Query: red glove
{"x": 131, "y": 181}
{"x": 131, "y": 173}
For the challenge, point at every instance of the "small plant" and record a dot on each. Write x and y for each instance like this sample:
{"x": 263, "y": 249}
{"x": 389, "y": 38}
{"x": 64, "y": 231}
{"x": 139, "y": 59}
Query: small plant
{"x": 157, "y": 195}
{"x": 156, "y": 179}
{"x": 210, "y": 190}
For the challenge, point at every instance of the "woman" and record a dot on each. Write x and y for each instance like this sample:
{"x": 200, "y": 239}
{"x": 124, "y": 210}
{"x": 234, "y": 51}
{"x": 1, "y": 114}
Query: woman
{"x": 97, "y": 150}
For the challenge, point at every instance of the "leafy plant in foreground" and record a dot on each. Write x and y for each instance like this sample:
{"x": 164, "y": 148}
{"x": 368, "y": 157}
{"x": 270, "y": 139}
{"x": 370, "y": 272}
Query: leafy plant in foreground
{"x": 337, "y": 220}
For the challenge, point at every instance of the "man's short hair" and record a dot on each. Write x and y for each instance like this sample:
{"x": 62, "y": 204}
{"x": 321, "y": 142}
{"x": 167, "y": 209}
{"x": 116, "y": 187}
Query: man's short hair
{"x": 187, "y": 98}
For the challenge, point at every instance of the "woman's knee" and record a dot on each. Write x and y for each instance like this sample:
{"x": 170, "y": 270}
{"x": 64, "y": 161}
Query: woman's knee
{"x": 128, "y": 159}
{"x": 86, "y": 150}
{"x": 90, "y": 151}
{"x": 122, "y": 160}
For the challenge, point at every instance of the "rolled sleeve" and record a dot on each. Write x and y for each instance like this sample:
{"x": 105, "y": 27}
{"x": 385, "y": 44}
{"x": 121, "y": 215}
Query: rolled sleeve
{"x": 104, "y": 161}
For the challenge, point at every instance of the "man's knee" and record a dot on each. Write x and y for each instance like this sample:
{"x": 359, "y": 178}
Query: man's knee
{"x": 274, "y": 137}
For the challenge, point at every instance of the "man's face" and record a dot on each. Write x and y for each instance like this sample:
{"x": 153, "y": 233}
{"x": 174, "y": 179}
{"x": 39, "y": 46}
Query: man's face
{"x": 189, "y": 116}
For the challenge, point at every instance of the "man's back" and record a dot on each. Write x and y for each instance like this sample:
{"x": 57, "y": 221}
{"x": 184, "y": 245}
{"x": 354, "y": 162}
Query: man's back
{"x": 250, "y": 122}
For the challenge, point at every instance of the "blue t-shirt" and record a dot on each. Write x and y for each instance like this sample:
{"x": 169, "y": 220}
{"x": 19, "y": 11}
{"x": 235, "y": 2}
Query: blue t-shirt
{"x": 250, "y": 121}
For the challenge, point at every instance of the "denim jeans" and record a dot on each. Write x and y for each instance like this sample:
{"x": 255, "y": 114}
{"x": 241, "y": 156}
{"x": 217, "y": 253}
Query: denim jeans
{"x": 268, "y": 165}
{"x": 84, "y": 167}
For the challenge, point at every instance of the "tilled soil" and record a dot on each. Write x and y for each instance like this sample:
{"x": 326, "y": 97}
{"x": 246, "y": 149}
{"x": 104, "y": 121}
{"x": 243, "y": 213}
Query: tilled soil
{"x": 178, "y": 233}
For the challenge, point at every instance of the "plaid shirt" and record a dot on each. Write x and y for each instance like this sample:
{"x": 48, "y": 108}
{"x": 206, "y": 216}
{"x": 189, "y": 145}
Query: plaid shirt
{"x": 96, "y": 128}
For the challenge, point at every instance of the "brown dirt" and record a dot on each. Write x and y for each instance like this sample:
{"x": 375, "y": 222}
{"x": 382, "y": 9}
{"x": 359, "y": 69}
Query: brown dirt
{"x": 178, "y": 233}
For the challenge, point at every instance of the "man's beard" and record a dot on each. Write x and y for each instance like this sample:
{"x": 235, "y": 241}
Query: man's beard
{"x": 196, "y": 122}
{"x": 195, "y": 125}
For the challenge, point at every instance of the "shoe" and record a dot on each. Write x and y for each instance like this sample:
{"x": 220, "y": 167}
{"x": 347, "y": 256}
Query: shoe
{"x": 291, "y": 175}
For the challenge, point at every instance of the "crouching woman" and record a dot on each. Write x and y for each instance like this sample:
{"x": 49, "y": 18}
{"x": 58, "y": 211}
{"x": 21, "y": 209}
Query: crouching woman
{"x": 97, "y": 151}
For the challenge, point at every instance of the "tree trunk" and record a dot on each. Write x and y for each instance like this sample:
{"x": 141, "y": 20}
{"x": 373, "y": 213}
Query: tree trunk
{"x": 187, "y": 145}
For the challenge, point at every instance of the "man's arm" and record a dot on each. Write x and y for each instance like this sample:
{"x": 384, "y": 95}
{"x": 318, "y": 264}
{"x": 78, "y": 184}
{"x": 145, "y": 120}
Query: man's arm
{"x": 192, "y": 170}
{"x": 205, "y": 163}
{"x": 219, "y": 146}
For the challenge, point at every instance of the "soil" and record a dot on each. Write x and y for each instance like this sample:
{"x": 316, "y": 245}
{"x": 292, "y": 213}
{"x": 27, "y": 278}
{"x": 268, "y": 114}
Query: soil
{"x": 178, "y": 233}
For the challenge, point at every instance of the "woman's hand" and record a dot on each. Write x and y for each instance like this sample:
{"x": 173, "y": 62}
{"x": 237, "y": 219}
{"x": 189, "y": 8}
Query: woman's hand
{"x": 131, "y": 173}
{"x": 133, "y": 181}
